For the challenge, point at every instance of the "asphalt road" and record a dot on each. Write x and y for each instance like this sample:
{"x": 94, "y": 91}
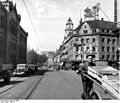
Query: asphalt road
{"x": 54, "y": 85}
{"x": 59, "y": 85}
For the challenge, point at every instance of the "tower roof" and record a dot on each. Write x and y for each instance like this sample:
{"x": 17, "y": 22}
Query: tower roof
{"x": 69, "y": 21}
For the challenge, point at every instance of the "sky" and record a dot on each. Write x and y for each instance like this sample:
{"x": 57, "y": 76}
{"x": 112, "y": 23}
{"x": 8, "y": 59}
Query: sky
{"x": 49, "y": 18}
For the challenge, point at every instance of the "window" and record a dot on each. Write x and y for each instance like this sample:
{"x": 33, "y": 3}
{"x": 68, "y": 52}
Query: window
{"x": 108, "y": 40}
{"x": 87, "y": 40}
{"x": 113, "y": 41}
{"x": 108, "y": 49}
{"x": 103, "y": 56}
{"x": 94, "y": 30}
{"x": 94, "y": 49}
{"x": 113, "y": 57}
{"x": 103, "y": 39}
{"x": 85, "y": 31}
{"x": 85, "y": 26}
{"x": 113, "y": 49}
{"x": 107, "y": 31}
{"x": 108, "y": 57}
{"x": 102, "y": 30}
{"x": 93, "y": 39}
{"x": 103, "y": 48}
{"x": 82, "y": 40}
{"x": 77, "y": 48}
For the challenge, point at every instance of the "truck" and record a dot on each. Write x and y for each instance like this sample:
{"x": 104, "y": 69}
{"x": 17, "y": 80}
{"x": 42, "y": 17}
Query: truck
{"x": 6, "y": 72}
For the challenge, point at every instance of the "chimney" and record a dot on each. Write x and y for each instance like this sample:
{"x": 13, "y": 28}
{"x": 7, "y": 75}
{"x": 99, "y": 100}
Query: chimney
{"x": 102, "y": 19}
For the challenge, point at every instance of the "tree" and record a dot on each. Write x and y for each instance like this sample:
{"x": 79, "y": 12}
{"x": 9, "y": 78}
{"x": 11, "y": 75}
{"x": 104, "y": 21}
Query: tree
{"x": 42, "y": 59}
{"x": 34, "y": 58}
{"x": 31, "y": 57}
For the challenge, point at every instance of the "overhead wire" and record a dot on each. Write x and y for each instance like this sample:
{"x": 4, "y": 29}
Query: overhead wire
{"x": 31, "y": 20}
{"x": 105, "y": 14}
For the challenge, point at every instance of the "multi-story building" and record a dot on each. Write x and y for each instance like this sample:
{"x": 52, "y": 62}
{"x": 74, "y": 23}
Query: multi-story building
{"x": 90, "y": 37}
{"x": 21, "y": 46}
{"x": 10, "y": 34}
{"x": 98, "y": 39}
{"x": 13, "y": 20}
{"x": 3, "y": 32}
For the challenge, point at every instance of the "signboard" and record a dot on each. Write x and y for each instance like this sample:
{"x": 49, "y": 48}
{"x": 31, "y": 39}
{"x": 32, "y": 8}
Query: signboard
{"x": 92, "y": 13}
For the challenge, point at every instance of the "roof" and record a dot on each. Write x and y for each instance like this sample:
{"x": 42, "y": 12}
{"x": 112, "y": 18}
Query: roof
{"x": 98, "y": 24}
{"x": 69, "y": 19}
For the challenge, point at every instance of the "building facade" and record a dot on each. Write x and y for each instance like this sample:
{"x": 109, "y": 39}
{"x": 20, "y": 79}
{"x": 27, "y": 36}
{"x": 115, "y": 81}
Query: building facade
{"x": 3, "y": 32}
{"x": 9, "y": 33}
{"x": 50, "y": 56}
{"x": 90, "y": 37}
{"x": 21, "y": 46}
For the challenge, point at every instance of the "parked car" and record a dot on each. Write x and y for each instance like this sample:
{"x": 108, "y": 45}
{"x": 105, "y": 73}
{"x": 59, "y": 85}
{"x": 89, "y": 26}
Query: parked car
{"x": 24, "y": 70}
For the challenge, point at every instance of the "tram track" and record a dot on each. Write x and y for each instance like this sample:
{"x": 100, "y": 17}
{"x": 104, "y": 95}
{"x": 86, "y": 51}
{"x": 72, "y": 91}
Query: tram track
{"x": 30, "y": 90}
{"x": 11, "y": 86}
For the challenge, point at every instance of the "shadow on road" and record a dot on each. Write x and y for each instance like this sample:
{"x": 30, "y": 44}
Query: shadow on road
{"x": 2, "y": 84}
{"x": 41, "y": 72}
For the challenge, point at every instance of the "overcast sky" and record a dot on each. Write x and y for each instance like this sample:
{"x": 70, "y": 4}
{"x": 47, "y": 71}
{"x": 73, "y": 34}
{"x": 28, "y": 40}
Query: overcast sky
{"x": 50, "y": 16}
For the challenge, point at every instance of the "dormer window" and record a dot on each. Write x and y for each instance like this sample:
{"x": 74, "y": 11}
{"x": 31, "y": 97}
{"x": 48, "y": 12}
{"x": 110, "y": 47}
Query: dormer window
{"x": 85, "y": 31}
{"x": 107, "y": 31}
{"x": 102, "y": 30}
{"x": 94, "y": 30}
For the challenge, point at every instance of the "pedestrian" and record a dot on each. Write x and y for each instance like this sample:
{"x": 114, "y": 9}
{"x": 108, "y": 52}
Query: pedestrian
{"x": 87, "y": 83}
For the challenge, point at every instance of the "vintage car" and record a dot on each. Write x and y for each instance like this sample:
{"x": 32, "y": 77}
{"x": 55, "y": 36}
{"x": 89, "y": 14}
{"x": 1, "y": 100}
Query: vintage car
{"x": 24, "y": 70}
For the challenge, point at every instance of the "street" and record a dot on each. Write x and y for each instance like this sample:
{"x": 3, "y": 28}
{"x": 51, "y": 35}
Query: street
{"x": 52, "y": 85}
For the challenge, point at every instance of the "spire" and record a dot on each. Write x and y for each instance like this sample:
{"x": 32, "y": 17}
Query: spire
{"x": 69, "y": 26}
